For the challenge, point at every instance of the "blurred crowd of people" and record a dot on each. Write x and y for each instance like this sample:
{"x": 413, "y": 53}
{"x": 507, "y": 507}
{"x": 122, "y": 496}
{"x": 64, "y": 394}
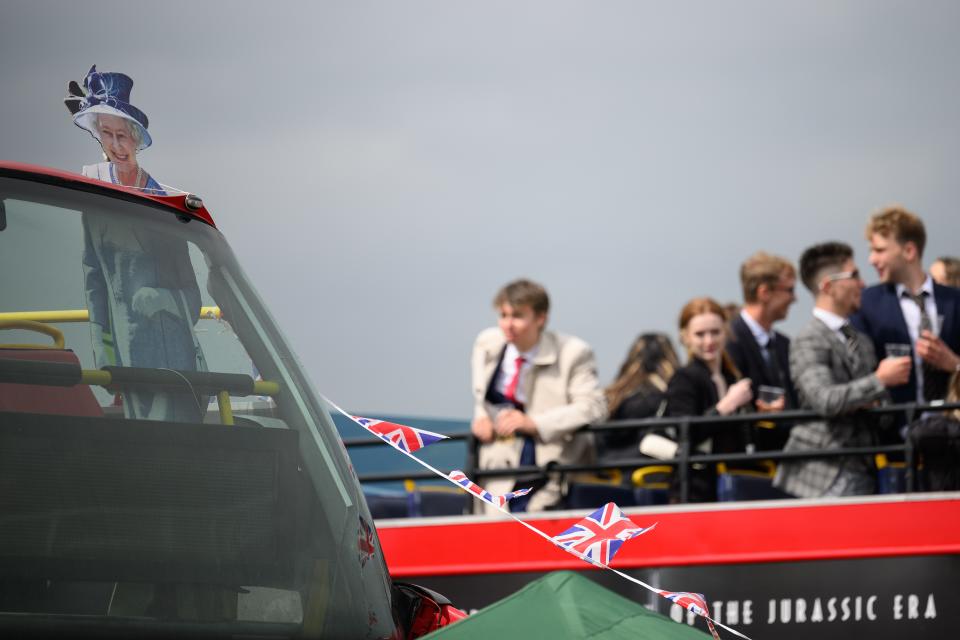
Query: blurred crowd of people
{"x": 895, "y": 342}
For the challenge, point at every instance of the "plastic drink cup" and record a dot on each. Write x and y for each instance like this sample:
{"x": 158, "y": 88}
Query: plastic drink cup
{"x": 897, "y": 349}
{"x": 768, "y": 394}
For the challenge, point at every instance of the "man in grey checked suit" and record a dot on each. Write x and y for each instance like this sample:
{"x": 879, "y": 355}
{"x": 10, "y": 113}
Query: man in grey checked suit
{"x": 836, "y": 374}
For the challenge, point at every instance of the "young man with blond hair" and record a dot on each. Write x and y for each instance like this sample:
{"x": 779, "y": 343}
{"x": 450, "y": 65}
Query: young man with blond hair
{"x": 908, "y": 307}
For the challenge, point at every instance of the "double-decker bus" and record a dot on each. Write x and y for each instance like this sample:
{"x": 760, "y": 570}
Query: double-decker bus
{"x": 166, "y": 468}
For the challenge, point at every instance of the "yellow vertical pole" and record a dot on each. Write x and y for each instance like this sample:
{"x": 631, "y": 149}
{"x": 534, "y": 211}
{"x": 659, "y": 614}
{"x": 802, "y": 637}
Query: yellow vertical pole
{"x": 226, "y": 411}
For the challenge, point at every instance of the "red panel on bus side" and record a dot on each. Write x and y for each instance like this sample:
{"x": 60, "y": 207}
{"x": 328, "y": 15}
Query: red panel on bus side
{"x": 717, "y": 534}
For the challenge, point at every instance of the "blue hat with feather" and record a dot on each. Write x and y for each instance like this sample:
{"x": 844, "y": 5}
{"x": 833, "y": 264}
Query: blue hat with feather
{"x": 106, "y": 93}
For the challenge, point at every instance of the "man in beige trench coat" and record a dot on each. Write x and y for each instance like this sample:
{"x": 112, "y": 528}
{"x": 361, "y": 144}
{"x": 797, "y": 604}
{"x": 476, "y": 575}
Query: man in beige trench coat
{"x": 532, "y": 390}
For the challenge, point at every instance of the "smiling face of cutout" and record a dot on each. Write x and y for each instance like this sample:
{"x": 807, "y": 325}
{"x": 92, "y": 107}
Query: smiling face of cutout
{"x": 118, "y": 141}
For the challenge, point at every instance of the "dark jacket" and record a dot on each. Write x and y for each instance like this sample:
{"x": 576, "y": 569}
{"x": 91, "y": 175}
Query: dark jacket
{"x": 646, "y": 402}
{"x": 691, "y": 392}
{"x": 937, "y": 442}
{"x": 881, "y": 318}
{"x": 746, "y": 354}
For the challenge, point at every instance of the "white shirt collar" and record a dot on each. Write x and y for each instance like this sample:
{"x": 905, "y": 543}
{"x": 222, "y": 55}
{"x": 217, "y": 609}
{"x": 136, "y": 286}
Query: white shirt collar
{"x": 508, "y": 369}
{"x": 926, "y": 286}
{"x": 761, "y": 335}
{"x": 512, "y": 352}
{"x": 829, "y": 318}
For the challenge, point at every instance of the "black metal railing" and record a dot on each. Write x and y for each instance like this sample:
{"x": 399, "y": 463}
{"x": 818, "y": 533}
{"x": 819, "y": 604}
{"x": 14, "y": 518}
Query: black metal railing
{"x": 684, "y": 459}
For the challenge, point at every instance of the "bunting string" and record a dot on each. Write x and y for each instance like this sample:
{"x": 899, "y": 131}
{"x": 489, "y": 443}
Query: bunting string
{"x": 595, "y": 539}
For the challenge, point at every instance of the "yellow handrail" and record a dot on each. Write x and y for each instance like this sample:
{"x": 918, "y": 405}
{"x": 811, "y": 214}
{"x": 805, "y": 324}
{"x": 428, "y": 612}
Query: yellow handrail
{"x": 95, "y": 376}
{"x": 768, "y": 471}
{"x": 883, "y": 462}
{"x": 39, "y": 327}
{"x": 34, "y": 320}
{"x": 226, "y": 410}
{"x": 266, "y": 388}
{"x": 82, "y": 315}
{"x": 639, "y": 477}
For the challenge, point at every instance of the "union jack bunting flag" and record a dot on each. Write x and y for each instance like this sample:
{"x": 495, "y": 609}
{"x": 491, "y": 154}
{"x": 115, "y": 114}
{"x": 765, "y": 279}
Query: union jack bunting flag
{"x": 601, "y": 534}
{"x": 461, "y": 479}
{"x": 694, "y": 602}
{"x": 365, "y": 542}
{"x": 400, "y": 436}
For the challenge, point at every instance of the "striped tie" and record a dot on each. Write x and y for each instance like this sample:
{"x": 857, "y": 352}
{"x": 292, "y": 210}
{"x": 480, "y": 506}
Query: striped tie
{"x": 930, "y": 373}
{"x": 853, "y": 346}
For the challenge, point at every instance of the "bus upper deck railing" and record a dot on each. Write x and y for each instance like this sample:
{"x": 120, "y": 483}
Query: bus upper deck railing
{"x": 684, "y": 459}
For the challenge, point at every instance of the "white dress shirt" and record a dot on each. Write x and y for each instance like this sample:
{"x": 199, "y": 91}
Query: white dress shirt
{"x": 833, "y": 322}
{"x": 761, "y": 335}
{"x": 911, "y": 316}
{"x": 509, "y": 367}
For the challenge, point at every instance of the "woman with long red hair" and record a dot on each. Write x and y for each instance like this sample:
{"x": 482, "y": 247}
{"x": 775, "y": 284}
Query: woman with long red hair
{"x": 709, "y": 384}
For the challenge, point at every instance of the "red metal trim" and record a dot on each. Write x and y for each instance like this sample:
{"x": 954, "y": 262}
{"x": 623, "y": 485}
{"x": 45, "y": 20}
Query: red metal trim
{"x": 176, "y": 202}
{"x": 686, "y": 537}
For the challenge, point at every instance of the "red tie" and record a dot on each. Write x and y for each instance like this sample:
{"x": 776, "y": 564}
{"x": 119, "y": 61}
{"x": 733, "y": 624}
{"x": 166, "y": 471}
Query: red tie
{"x": 511, "y": 392}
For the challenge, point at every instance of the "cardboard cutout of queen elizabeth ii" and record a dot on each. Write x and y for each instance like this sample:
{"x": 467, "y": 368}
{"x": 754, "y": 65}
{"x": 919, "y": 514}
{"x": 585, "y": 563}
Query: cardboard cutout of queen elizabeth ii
{"x": 141, "y": 291}
{"x": 102, "y": 107}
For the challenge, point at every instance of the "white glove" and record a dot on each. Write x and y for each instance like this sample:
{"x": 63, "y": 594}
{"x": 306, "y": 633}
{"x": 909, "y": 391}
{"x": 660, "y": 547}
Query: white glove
{"x": 148, "y": 301}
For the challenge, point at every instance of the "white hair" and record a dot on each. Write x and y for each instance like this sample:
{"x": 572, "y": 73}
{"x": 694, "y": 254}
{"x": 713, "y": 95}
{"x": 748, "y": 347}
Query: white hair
{"x": 130, "y": 124}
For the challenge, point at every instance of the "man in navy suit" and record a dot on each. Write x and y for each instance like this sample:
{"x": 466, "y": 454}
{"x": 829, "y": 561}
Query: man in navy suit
{"x": 908, "y": 307}
{"x": 761, "y": 353}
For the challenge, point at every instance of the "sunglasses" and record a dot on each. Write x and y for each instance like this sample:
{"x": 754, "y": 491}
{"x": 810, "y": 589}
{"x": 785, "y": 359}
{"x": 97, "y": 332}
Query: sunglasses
{"x": 843, "y": 275}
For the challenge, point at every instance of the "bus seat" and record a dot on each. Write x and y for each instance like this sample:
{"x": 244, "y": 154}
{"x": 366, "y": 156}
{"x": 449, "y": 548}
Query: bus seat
{"x": 651, "y": 485}
{"x": 386, "y": 503}
{"x": 891, "y": 476}
{"x": 77, "y": 400}
{"x": 586, "y": 492}
{"x": 434, "y": 500}
{"x": 747, "y": 484}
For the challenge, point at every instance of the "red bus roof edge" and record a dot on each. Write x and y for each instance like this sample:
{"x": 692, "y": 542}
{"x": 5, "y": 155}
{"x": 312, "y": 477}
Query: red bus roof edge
{"x": 176, "y": 203}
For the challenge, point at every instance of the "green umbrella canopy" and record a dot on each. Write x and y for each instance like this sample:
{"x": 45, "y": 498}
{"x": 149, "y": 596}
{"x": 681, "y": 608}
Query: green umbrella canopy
{"x": 563, "y": 605}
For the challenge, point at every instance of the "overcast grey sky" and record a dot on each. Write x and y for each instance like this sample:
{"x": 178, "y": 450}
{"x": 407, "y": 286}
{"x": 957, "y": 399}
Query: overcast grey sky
{"x": 382, "y": 168}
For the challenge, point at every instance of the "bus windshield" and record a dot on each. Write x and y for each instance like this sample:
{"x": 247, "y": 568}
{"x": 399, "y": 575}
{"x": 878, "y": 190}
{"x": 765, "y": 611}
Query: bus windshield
{"x": 164, "y": 463}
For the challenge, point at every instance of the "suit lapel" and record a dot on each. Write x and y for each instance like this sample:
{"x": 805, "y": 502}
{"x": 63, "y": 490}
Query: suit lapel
{"x": 745, "y": 337}
{"x": 547, "y": 354}
{"x": 842, "y": 351}
{"x": 857, "y": 356}
{"x": 893, "y": 310}
{"x": 947, "y": 308}
{"x": 494, "y": 362}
